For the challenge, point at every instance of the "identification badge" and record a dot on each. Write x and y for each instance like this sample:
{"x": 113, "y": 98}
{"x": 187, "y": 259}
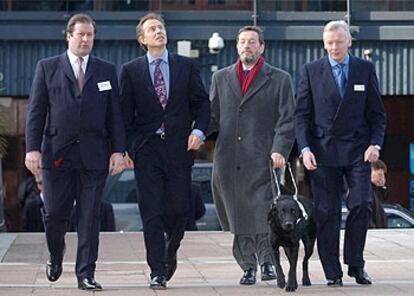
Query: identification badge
{"x": 359, "y": 87}
{"x": 104, "y": 85}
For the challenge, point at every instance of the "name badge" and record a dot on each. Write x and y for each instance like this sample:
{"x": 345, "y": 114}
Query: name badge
{"x": 359, "y": 87}
{"x": 104, "y": 85}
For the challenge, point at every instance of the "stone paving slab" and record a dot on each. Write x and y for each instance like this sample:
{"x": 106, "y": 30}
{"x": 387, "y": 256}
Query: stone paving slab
{"x": 205, "y": 267}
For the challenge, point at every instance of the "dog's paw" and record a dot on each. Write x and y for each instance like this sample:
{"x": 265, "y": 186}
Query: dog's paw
{"x": 281, "y": 282}
{"x": 306, "y": 282}
{"x": 292, "y": 285}
{"x": 290, "y": 289}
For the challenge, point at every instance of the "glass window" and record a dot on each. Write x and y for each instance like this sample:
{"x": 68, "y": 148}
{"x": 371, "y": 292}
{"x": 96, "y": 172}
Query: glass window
{"x": 395, "y": 221}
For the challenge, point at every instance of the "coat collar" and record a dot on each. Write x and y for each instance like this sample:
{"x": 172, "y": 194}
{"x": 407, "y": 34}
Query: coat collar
{"x": 233, "y": 81}
{"x": 90, "y": 69}
{"x": 175, "y": 70}
{"x": 260, "y": 80}
{"x": 67, "y": 69}
{"x": 326, "y": 72}
{"x": 143, "y": 67}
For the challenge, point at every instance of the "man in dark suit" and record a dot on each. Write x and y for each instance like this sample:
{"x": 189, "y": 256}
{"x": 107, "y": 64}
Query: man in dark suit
{"x": 74, "y": 128}
{"x": 340, "y": 126}
{"x": 166, "y": 113}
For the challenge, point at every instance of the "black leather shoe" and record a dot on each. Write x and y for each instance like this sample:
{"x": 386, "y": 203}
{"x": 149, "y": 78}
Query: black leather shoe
{"x": 249, "y": 277}
{"x": 89, "y": 284}
{"x": 171, "y": 266}
{"x": 361, "y": 277}
{"x": 335, "y": 283}
{"x": 267, "y": 272}
{"x": 53, "y": 271}
{"x": 158, "y": 282}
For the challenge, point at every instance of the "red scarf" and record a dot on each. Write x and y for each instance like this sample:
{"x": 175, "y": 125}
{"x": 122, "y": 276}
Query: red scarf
{"x": 246, "y": 81}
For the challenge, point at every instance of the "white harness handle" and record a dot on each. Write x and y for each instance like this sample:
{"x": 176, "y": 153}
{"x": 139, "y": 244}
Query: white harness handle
{"x": 295, "y": 194}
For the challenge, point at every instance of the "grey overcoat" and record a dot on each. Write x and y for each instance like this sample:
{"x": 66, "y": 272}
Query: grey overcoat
{"x": 250, "y": 127}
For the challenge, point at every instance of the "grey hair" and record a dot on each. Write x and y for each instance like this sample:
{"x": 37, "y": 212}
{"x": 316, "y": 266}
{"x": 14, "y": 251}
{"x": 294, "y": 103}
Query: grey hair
{"x": 335, "y": 25}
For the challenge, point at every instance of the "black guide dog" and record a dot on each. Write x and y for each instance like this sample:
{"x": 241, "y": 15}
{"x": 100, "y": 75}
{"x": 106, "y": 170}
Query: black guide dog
{"x": 291, "y": 220}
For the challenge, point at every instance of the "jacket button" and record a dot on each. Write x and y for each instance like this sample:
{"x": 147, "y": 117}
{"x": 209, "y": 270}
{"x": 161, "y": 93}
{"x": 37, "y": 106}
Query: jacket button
{"x": 77, "y": 141}
{"x": 240, "y": 110}
{"x": 238, "y": 168}
{"x": 239, "y": 138}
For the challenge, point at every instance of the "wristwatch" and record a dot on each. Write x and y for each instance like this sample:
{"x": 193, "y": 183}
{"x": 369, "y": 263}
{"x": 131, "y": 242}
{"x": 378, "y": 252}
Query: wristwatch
{"x": 378, "y": 147}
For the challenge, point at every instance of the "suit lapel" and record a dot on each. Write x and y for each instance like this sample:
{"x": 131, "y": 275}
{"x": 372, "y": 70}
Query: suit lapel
{"x": 328, "y": 77}
{"x": 352, "y": 73}
{"x": 90, "y": 69}
{"x": 142, "y": 69}
{"x": 174, "y": 76}
{"x": 259, "y": 81}
{"x": 67, "y": 69}
{"x": 233, "y": 81}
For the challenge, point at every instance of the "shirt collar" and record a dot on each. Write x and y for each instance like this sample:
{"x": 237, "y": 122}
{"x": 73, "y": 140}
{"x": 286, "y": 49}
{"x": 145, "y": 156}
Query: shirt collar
{"x": 74, "y": 58}
{"x": 163, "y": 57}
{"x": 333, "y": 63}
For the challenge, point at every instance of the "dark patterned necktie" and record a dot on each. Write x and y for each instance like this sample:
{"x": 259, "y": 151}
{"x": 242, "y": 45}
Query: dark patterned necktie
{"x": 81, "y": 75}
{"x": 341, "y": 79}
{"x": 159, "y": 84}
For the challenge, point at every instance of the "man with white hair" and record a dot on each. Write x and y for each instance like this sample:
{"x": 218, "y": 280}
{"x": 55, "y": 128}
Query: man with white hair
{"x": 340, "y": 126}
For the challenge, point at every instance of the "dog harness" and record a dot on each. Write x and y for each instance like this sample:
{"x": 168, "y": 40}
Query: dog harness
{"x": 295, "y": 194}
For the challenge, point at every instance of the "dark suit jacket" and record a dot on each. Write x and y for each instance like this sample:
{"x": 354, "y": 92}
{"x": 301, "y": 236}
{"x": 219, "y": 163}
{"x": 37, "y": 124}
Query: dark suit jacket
{"x": 338, "y": 131}
{"x": 143, "y": 114}
{"x": 59, "y": 116}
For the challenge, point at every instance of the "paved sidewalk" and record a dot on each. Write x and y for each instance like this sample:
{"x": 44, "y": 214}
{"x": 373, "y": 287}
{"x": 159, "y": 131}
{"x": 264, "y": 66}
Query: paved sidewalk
{"x": 205, "y": 267}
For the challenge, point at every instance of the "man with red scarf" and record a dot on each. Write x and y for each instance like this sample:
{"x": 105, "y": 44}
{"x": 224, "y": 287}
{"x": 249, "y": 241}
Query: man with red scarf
{"x": 252, "y": 109}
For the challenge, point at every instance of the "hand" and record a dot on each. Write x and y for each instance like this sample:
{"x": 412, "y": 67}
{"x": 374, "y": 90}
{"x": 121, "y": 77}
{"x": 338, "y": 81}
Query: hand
{"x": 194, "y": 142}
{"x": 128, "y": 161}
{"x": 278, "y": 161}
{"x": 371, "y": 154}
{"x": 116, "y": 163}
{"x": 33, "y": 161}
{"x": 309, "y": 161}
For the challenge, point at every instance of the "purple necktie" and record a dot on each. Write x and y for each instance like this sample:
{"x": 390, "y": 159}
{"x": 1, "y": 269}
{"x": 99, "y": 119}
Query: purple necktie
{"x": 81, "y": 75}
{"x": 159, "y": 84}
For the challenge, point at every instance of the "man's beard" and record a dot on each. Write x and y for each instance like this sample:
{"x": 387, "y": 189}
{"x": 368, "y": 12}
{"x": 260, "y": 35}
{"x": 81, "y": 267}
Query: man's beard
{"x": 250, "y": 60}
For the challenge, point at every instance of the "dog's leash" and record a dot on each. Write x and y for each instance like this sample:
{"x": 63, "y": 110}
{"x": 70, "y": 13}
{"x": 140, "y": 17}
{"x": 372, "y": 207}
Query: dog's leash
{"x": 295, "y": 194}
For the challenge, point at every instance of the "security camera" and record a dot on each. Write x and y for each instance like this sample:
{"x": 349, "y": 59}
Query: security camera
{"x": 215, "y": 43}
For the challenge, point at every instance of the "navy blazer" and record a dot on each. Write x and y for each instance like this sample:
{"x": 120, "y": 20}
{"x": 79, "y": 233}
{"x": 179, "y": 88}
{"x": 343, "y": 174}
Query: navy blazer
{"x": 188, "y": 106}
{"x": 338, "y": 131}
{"x": 59, "y": 116}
